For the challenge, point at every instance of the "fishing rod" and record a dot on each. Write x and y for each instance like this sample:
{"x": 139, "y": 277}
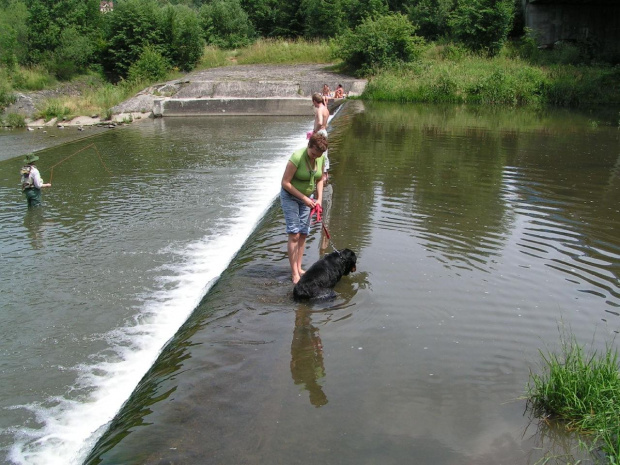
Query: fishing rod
{"x": 73, "y": 154}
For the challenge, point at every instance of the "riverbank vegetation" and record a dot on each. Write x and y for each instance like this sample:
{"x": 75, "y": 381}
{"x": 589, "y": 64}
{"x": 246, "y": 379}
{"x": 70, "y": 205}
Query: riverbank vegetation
{"x": 462, "y": 51}
{"x": 581, "y": 391}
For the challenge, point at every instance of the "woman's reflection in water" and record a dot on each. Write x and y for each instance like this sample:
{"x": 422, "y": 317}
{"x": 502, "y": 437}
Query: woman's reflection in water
{"x": 307, "y": 366}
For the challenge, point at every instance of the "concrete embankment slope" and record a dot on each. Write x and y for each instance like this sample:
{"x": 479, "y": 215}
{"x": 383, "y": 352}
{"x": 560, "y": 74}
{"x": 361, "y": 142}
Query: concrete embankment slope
{"x": 239, "y": 90}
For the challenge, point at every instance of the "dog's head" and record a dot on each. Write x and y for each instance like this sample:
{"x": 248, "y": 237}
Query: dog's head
{"x": 349, "y": 259}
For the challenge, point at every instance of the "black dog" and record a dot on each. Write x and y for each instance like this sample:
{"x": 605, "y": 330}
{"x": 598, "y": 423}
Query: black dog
{"x": 324, "y": 274}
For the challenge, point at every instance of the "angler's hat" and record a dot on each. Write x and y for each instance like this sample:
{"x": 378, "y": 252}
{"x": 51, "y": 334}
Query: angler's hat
{"x": 30, "y": 158}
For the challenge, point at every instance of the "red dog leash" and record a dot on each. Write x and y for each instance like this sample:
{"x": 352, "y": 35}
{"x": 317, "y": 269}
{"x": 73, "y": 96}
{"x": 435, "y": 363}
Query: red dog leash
{"x": 318, "y": 211}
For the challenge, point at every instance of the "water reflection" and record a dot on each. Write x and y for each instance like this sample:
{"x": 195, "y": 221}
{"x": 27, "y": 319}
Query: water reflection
{"x": 34, "y": 222}
{"x": 307, "y": 367}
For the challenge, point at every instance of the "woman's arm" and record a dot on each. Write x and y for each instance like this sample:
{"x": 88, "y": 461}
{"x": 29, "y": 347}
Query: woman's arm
{"x": 319, "y": 191}
{"x": 287, "y": 185}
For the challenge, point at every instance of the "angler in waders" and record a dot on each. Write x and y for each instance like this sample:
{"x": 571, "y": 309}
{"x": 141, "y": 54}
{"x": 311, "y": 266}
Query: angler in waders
{"x": 31, "y": 181}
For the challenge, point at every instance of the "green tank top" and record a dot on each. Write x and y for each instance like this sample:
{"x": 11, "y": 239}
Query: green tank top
{"x": 304, "y": 179}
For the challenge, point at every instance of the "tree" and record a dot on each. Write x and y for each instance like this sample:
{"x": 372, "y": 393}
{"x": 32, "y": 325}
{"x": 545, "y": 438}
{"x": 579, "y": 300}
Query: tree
{"x": 431, "y": 17}
{"x": 13, "y": 33}
{"x": 323, "y": 18}
{"x": 48, "y": 19}
{"x": 482, "y": 25}
{"x": 275, "y": 18}
{"x": 379, "y": 43}
{"x": 226, "y": 24}
{"x": 132, "y": 25}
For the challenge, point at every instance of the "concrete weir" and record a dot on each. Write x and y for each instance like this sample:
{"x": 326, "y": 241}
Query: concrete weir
{"x": 279, "y": 90}
{"x": 231, "y": 106}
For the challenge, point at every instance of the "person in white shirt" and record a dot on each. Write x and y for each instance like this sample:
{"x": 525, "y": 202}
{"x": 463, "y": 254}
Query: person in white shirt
{"x": 32, "y": 183}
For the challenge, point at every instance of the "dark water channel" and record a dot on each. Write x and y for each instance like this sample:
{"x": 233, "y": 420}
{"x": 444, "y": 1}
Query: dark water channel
{"x": 480, "y": 236}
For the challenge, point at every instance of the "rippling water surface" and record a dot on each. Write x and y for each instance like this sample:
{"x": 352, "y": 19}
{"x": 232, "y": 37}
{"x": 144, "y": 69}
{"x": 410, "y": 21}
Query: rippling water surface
{"x": 480, "y": 236}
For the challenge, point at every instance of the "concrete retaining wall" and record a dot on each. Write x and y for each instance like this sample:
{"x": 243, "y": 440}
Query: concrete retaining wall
{"x": 236, "y": 106}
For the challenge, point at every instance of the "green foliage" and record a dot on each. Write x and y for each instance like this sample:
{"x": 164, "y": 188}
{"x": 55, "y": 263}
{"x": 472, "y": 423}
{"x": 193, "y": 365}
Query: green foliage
{"x": 151, "y": 66}
{"x": 7, "y": 97}
{"x": 54, "y": 108}
{"x": 571, "y": 86}
{"x": 131, "y": 26}
{"x": 73, "y": 54}
{"x": 507, "y": 86}
{"x": 48, "y": 19}
{"x": 482, "y": 25}
{"x": 378, "y": 43}
{"x": 431, "y": 17}
{"x": 470, "y": 79}
{"x": 275, "y": 18}
{"x": 582, "y": 390}
{"x": 187, "y": 43}
{"x": 359, "y": 10}
{"x": 284, "y": 51}
{"x": 34, "y": 78}
{"x": 225, "y": 24}
{"x": 13, "y": 34}
{"x": 323, "y": 18}
{"x": 15, "y": 120}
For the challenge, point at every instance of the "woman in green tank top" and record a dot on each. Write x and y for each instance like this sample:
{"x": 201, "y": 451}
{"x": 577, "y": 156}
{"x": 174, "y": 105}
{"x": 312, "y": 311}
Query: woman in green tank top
{"x": 302, "y": 190}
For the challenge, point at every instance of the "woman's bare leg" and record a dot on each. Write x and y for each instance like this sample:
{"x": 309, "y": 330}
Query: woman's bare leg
{"x": 301, "y": 245}
{"x": 293, "y": 252}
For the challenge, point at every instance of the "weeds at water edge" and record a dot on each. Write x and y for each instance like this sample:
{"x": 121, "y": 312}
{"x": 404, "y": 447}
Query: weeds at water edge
{"x": 581, "y": 390}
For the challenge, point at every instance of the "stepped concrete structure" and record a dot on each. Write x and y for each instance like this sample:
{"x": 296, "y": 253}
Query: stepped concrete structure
{"x": 283, "y": 90}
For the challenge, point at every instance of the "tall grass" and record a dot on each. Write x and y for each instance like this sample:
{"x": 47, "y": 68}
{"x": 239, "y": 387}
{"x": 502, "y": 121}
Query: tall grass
{"x": 582, "y": 391}
{"x": 446, "y": 73}
{"x": 279, "y": 51}
{"x": 94, "y": 100}
{"x": 35, "y": 78}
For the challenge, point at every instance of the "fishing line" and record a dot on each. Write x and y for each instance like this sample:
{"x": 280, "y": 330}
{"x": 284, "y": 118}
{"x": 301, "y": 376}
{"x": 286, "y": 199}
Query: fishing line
{"x": 73, "y": 154}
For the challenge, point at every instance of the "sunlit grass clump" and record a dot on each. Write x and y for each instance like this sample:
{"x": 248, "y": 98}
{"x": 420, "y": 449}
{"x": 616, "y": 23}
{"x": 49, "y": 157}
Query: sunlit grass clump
{"x": 582, "y": 391}
{"x": 279, "y": 51}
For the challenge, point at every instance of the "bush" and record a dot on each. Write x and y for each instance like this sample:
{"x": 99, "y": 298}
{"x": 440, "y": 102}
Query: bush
{"x": 7, "y": 96}
{"x": 36, "y": 78}
{"x": 15, "y": 120}
{"x": 131, "y": 26}
{"x": 378, "y": 43}
{"x": 225, "y": 24}
{"x": 54, "y": 109}
{"x": 186, "y": 46}
{"x": 431, "y": 17}
{"x": 73, "y": 55}
{"x": 151, "y": 66}
{"x": 482, "y": 25}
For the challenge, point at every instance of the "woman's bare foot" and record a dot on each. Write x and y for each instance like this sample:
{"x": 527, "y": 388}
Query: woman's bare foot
{"x": 296, "y": 278}
{"x": 301, "y": 272}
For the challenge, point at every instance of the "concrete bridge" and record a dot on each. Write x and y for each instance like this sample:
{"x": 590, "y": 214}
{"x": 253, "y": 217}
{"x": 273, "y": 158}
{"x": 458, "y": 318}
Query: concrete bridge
{"x": 596, "y": 21}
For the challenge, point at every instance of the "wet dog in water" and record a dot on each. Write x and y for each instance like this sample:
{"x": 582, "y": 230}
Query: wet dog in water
{"x": 322, "y": 276}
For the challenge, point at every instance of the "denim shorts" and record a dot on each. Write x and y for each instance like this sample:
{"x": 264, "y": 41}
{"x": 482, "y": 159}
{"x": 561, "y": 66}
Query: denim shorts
{"x": 296, "y": 213}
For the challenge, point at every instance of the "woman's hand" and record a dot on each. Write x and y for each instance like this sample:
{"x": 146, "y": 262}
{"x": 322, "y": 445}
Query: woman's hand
{"x": 308, "y": 202}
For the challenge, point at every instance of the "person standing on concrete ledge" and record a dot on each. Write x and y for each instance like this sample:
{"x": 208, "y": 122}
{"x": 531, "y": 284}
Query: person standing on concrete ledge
{"x": 31, "y": 181}
{"x": 321, "y": 115}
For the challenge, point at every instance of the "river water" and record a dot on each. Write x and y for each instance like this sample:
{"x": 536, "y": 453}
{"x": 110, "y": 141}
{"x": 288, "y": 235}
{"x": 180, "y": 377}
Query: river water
{"x": 147, "y": 313}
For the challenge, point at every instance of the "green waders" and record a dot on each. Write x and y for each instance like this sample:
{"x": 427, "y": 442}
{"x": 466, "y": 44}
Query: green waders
{"x": 33, "y": 195}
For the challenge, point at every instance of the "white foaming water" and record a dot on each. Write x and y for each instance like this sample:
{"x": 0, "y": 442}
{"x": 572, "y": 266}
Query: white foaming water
{"x": 71, "y": 427}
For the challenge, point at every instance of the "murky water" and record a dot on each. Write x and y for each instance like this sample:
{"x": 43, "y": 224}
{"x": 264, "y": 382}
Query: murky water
{"x": 479, "y": 234}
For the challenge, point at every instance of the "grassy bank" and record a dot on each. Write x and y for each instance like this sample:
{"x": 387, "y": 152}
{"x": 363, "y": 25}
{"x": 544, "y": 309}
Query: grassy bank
{"x": 581, "y": 391}
{"x": 449, "y": 74}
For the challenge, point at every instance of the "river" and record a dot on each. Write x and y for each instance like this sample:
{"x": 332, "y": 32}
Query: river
{"x": 147, "y": 313}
